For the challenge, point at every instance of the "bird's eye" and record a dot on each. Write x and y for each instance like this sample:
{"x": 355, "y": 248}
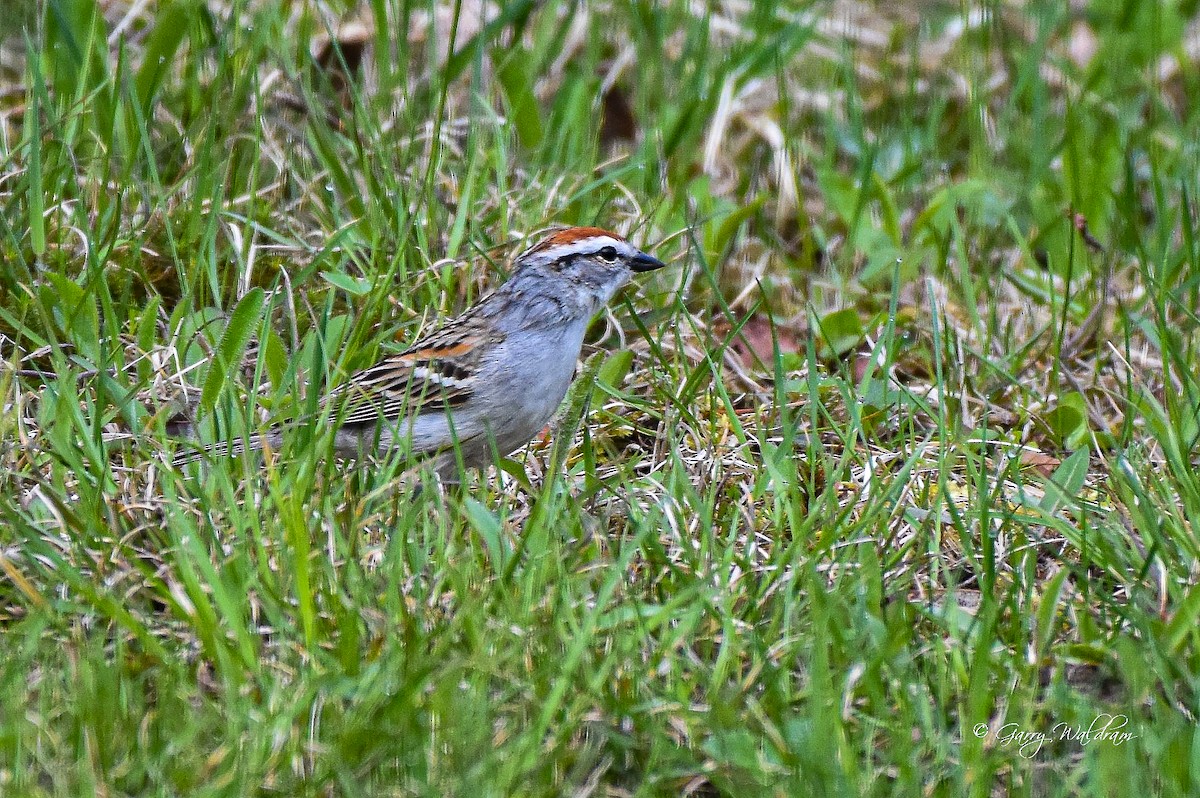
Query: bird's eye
{"x": 608, "y": 253}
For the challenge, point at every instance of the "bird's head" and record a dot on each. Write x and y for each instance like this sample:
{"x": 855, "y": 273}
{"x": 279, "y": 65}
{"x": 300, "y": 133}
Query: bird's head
{"x": 587, "y": 262}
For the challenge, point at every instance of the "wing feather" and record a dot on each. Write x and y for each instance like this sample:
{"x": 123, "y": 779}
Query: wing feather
{"x": 434, "y": 374}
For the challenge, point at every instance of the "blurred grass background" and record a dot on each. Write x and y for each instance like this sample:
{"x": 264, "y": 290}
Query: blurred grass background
{"x": 887, "y": 487}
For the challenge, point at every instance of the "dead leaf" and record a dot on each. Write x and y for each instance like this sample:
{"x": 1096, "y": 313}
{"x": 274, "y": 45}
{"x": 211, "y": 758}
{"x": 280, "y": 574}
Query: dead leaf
{"x": 755, "y": 342}
{"x": 1044, "y": 464}
{"x": 617, "y": 122}
{"x": 338, "y": 59}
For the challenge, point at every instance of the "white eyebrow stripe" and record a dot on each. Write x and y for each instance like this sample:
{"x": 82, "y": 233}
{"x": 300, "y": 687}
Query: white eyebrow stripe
{"x": 590, "y": 244}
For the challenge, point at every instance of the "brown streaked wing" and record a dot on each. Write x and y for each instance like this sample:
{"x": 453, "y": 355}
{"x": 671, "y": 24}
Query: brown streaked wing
{"x": 432, "y": 375}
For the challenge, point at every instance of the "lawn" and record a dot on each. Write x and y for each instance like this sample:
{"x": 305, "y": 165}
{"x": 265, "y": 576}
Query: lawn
{"x": 887, "y": 485}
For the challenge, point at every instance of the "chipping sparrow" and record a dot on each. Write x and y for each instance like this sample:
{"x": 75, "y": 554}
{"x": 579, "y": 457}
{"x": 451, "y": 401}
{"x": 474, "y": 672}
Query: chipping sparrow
{"x": 488, "y": 379}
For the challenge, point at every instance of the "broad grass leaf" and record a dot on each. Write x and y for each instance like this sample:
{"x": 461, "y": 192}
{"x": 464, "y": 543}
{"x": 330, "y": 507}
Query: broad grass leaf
{"x": 730, "y": 225}
{"x": 275, "y": 357}
{"x": 516, "y": 80}
{"x": 487, "y": 525}
{"x": 36, "y": 193}
{"x": 1064, "y": 485}
{"x": 614, "y": 370}
{"x": 171, "y": 23}
{"x": 233, "y": 345}
{"x": 76, "y": 58}
{"x": 146, "y": 331}
{"x": 1047, "y": 611}
{"x": 76, "y": 313}
{"x": 841, "y": 331}
{"x": 1068, "y": 421}
{"x": 355, "y": 286}
{"x": 1183, "y": 624}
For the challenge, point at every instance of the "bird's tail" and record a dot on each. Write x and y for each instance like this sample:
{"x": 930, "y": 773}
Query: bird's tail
{"x": 232, "y": 448}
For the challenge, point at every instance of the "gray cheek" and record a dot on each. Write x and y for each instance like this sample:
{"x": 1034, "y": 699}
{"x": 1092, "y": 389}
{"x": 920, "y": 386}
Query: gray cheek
{"x": 609, "y": 288}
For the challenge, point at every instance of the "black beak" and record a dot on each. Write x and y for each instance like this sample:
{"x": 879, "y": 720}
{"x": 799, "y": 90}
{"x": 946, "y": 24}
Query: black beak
{"x": 642, "y": 262}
